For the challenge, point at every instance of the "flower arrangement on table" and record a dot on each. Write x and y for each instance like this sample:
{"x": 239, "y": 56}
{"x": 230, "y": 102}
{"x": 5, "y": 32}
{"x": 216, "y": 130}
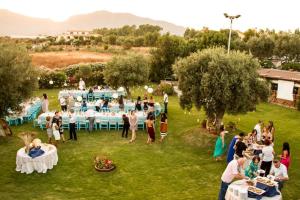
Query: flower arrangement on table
{"x": 102, "y": 163}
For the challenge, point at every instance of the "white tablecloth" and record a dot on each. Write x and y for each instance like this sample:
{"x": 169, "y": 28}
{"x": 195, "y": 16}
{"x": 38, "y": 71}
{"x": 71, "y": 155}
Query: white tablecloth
{"x": 26, "y": 164}
{"x": 241, "y": 186}
{"x": 98, "y": 116}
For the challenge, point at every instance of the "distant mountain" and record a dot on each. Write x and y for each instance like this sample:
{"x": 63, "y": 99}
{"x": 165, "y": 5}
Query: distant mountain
{"x": 13, "y": 24}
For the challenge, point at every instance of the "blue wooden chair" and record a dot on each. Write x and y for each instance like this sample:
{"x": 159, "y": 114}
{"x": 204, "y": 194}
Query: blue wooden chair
{"x": 90, "y": 97}
{"x": 103, "y": 124}
{"x": 43, "y": 125}
{"x": 66, "y": 123}
{"x": 141, "y": 124}
{"x": 82, "y": 123}
{"x": 97, "y": 96}
{"x": 97, "y": 123}
{"x": 35, "y": 123}
{"x": 120, "y": 124}
{"x": 113, "y": 124}
{"x": 27, "y": 117}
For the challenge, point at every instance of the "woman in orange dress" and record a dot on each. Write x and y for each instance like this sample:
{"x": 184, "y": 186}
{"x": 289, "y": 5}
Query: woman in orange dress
{"x": 163, "y": 126}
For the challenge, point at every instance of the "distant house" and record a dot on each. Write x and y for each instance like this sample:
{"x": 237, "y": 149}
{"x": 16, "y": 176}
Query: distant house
{"x": 74, "y": 34}
{"x": 284, "y": 85}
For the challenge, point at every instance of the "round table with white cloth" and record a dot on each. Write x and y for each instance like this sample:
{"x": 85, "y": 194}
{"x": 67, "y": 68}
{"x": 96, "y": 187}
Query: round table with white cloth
{"x": 26, "y": 164}
{"x": 238, "y": 190}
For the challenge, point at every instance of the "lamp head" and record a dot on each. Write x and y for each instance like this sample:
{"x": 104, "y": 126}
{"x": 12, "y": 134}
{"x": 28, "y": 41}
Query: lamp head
{"x": 226, "y": 15}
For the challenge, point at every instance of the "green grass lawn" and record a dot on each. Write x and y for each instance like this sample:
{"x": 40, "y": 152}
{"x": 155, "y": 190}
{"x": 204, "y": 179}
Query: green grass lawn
{"x": 180, "y": 168}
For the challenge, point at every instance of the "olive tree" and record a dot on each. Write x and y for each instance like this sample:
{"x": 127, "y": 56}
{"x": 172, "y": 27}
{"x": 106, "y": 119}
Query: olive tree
{"x": 127, "y": 71}
{"x": 220, "y": 82}
{"x": 17, "y": 77}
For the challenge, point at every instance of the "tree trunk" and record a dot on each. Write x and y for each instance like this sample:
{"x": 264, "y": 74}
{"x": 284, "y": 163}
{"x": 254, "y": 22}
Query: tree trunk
{"x": 128, "y": 91}
{"x": 219, "y": 119}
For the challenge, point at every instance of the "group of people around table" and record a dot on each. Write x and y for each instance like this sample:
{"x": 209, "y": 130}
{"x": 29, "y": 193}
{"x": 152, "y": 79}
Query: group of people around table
{"x": 264, "y": 161}
{"x": 130, "y": 121}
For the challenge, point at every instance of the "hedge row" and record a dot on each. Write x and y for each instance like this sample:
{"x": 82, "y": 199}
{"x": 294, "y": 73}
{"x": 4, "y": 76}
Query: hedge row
{"x": 69, "y": 77}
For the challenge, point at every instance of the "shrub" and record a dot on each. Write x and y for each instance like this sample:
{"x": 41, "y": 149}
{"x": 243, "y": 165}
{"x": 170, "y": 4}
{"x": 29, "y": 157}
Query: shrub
{"x": 71, "y": 70}
{"x": 292, "y": 66}
{"x": 105, "y": 47}
{"x": 164, "y": 87}
{"x": 91, "y": 73}
{"x": 231, "y": 126}
{"x": 267, "y": 64}
{"x": 84, "y": 71}
{"x": 58, "y": 78}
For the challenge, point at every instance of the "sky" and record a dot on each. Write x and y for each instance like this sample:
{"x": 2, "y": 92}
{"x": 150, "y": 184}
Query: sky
{"x": 272, "y": 14}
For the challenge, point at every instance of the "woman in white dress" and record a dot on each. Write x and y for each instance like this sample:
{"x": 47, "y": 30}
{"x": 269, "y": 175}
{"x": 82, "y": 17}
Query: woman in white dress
{"x": 45, "y": 103}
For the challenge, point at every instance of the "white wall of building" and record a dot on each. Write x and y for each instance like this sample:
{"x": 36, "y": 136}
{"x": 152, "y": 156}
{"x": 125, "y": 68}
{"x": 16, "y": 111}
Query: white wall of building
{"x": 285, "y": 90}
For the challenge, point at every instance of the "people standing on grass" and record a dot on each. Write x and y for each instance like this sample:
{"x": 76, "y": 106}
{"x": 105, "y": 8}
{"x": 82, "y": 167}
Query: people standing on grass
{"x": 166, "y": 100}
{"x": 258, "y": 127}
{"x": 133, "y": 125}
{"x": 61, "y": 129}
{"x": 45, "y": 103}
{"x": 121, "y": 103}
{"x": 285, "y": 157}
{"x": 150, "y": 129}
{"x": 266, "y": 135}
{"x": 72, "y": 125}
{"x": 279, "y": 170}
{"x": 267, "y": 157}
{"x": 81, "y": 84}
{"x": 252, "y": 137}
{"x": 49, "y": 129}
{"x": 151, "y": 102}
{"x": 58, "y": 120}
{"x": 63, "y": 104}
{"x": 240, "y": 146}
{"x": 163, "y": 126}
{"x": 126, "y": 126}
{"x": 71, "y": 103}
{"x": 138, "y": 104}
{"x": 90, "y": 115}
{"x": 231, "y": 172}
{"x": 55, "y": 130}
{"x": 145, "y": 102}
{"x": 231, "y": 150}
{"x": 271, "y": 129}
{"x": 220, "y": 145}
{"x": 251, "y": 170}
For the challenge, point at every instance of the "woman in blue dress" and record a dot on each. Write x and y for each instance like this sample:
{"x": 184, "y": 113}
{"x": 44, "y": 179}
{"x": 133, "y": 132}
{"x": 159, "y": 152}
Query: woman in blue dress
{"x": 231, "y": 148}
{"x": 220, "y": 146}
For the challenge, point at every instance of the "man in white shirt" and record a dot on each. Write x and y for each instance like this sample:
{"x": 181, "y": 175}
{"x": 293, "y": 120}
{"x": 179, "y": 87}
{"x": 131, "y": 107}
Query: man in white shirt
{"x": 166, "y": 100}
{"x": 231, "y": 172}
{"x": 63, "y": 104}
{"x": 90, "y": 115}
{"x": 81, "y": 84}
{"x": 72, "y": 125}
{"x": 257, "y": 127}
{"x": 280, "y": 172}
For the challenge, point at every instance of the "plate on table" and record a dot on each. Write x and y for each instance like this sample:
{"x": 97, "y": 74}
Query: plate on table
{"x": 256, "y": 190}
{"x": 265, "y": 181}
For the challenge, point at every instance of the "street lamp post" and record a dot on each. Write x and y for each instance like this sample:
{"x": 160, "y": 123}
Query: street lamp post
{"x": 231, "y": 19}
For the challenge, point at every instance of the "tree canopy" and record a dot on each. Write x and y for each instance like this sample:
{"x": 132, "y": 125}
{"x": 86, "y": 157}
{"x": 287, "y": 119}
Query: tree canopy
{"x": 127, "y": 71}
{"x": 167, "y": 50}
{"x": 17, "y": 77}
{"x": 220, "y": 82}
